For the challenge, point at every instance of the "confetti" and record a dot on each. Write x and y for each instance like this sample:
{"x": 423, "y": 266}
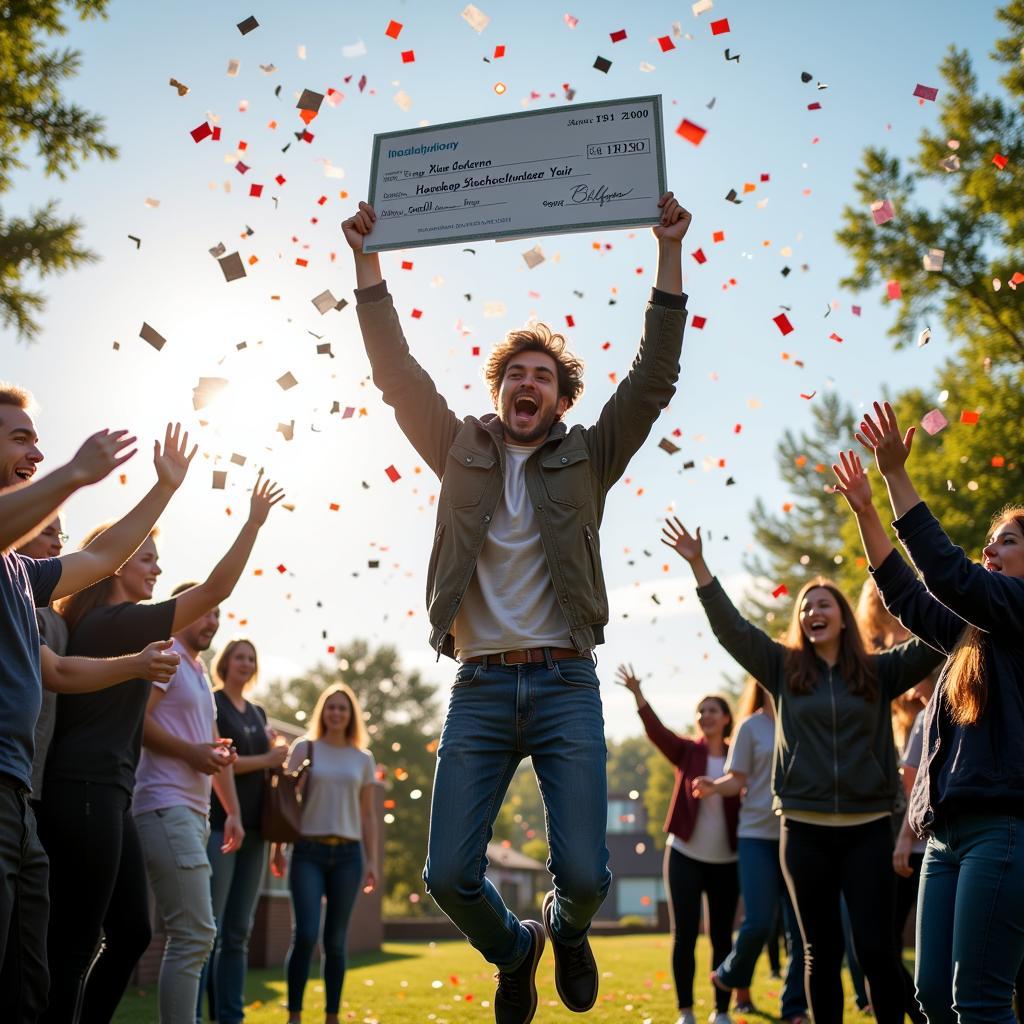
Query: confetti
{"x": 203, "y": 131}
{"x": 925, "y": 92}
{"x": 924, "y": 337}
{"x": 603, "y": 64}
{"x": 934, "y": 421}
{"x": 882, "y": 211}
{"x": 534, "y": 257}
{"x": 286, "y": 381}
{"x": 699, "y": 256}
{"x": 250, "y": 23}
{"x": 233, "y": 66}
{"x": 220, "y": 478}
{"x": 668, "y": 446}
{"x": 933, "y": 260}
{"x": 232, "y": 267}
{"x": 691, "y": 132}
{"x": 893, "y": 290}
{"x": 475, "y": 18}
{"x": 394, "y": 29}
{"x": 154, "y": 338}
{"x": 180, "y": 86}
{"x": 393, "y": 475}
{"x": 325, "y": 302}
{"x": 999, "y": 160}
{"x": 408, "y": 56}
{"x": 780, "y": 591}
{"x": 969, "y": 417}
{"x": 720, "y": 27}
{"x": 782, "y": 322}
{"x": 570, "y": 21}
{"x": 730, "y": 56}
{"x": 618, "y": 36}
{"x": 666, "y": 44}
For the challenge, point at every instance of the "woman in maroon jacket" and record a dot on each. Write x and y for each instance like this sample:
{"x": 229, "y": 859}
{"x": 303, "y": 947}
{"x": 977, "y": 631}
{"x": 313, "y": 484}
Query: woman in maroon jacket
{"x": 700, "y": 855}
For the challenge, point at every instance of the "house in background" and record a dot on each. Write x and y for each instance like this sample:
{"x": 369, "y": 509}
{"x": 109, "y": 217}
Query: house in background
{"x": 519, "y": 879}
{"x": 637, "y": 889}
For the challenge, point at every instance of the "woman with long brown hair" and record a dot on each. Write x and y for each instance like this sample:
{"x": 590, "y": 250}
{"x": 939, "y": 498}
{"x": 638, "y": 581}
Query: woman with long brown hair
{"x": 968, "y": 797}
{"x": 338, "y": 852}
{"x": 834, "y": 776}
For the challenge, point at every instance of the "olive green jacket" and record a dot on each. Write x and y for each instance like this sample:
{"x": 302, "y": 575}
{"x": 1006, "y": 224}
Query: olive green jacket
{"x": 567, "y": 477}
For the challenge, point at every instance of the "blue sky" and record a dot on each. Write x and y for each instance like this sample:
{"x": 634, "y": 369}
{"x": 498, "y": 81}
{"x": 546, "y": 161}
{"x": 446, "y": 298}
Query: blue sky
{"x": 870, "y": 56}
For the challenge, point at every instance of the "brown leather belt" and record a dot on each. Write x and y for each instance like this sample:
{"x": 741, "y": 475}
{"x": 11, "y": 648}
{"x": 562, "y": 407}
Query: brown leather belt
{"x": 527, "y": 656}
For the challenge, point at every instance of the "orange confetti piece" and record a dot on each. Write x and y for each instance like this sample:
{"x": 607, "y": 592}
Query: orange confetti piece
{"x": 394, "y": 29}
{"x": 718, "y": 236}
{"x": 693, "y": 133}
{"x": 999, "y": 160}
{"x": 969, "y": 417}
{"x": 998, "y": 461}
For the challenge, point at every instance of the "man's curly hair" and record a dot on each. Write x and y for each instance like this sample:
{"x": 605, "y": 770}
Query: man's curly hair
{"x": 536, "y": 338}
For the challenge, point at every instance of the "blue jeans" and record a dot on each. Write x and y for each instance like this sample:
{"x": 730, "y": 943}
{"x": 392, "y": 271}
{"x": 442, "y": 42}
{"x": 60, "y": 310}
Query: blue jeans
{"x": 763, "y": 888}
{"x": 235, "y": 888}
{"x": 497, "y": 716}
{"x": 319, "y": 870}
{"x": 970, "y": 925}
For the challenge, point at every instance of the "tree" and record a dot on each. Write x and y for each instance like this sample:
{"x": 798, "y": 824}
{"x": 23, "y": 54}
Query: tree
{"x": 32, "y": 108}
{"x": 972, "y": 213}
{"x": 804, "y": 539}
{"x": 402, "y": 717}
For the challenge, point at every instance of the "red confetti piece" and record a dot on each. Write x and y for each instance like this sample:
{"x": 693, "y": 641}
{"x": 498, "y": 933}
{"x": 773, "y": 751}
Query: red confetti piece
{"x": 814, "y": 106}
{"x": 216, "y": 133}
{"x": 720, "y": 27}
{"x": 855, "y": 310}
{"x": 808, "y": 397}
{"x": 766, "y": 177}
{"x": 241, "y": 168}
{"x": 666, "y": 44}
{"x": 256, "y": 191}
{"x": 607, "y": 345}
{"x": 738, "y": 428}
{"x": 282, "y": 569}
{"x": 416, "y": 314}
{"x": 499, "y": 52}
{"x": 393, "y": 475}
{"x": 394, "y": 29}
{"x": 475, "y": 350}
{"x": 334, "y": 506}
{"x": 570, "y": 322}
{"x": 280, "y": 179}
{"x": 698, "y": 322}
{"x": 699, "y": 256}
{"x": 307, "y": 136}
{"x": 780, "y": 591}
{"x": 203, "y": 131}
{"x": 999, "y": 160}
{"x": 691, "y": 132}
{"x": 893, "y": 290}
{"x": 617, "y": 37}
{"x": 783, "y": 324}
{"x": 407, "y": 264}
{"x": 925, "y": 92}
{"x": 718, "y": 236}
{"x": 321, "y": 201}
{"x": 243, "y": 145}
{"x": 408, "y": 56}
{"x": 835, "y": 337}
{"x": 969, "y": 417}
{"x": 998, "y": 461}
{"x": 300, "y": 262}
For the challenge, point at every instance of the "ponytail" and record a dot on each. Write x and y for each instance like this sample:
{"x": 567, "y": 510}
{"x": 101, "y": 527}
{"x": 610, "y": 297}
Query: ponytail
{"x": 966, "y": 689}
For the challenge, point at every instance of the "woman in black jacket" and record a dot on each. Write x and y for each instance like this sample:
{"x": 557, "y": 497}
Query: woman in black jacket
{"x": 968, "y": 796}
{"x": 834, "y": 775}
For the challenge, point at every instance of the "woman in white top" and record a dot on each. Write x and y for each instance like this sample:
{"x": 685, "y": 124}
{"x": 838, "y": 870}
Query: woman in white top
{"x": 700, "y": 855}
{"x": 337, "y": 854}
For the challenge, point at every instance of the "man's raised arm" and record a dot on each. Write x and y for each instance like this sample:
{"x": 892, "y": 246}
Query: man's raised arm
{"x": 628, "y": 416}
{"x": 421, "y": 411}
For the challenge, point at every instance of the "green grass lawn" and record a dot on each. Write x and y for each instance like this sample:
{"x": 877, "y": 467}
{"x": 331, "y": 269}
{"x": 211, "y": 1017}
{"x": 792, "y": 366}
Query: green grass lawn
{"x": 448, "y": 983}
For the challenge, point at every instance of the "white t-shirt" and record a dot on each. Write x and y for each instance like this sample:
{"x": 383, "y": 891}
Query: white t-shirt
{"x": 330, "y": 802}
{"x": 710, "y": 839}
{"x": 751, "y": 752}
{"x": 510, "y": 602}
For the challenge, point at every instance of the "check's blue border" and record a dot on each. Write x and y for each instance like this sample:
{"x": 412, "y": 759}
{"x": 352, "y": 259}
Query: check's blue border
{"x": 380, "y": 138}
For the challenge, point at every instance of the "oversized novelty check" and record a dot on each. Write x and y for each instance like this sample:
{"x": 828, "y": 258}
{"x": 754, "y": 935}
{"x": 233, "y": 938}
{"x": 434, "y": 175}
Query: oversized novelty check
{"x": 543, "y": 172}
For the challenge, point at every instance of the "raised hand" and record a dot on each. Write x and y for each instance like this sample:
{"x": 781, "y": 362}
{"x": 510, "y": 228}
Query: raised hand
{"x": 881, "y": 435}
{"x": 101, "y": 454}
{"x": 675, "y": 221}
{"x": 681, "y": 541}
{"x": 852, "y": 482}
{"x": 626, "y": 676}
{"x": 265, "y": 495}
{"x": 157, "y": 662}
{"x": 171, "y": 462}
{"x": 358, "y": 226}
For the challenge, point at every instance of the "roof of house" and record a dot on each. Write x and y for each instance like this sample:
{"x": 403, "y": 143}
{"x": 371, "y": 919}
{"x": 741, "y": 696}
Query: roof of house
{"x": 506, "y": 857}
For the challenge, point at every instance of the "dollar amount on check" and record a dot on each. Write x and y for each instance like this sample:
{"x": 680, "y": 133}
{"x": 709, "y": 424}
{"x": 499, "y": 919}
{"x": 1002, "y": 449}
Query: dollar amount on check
{"x": 573, "y": 168}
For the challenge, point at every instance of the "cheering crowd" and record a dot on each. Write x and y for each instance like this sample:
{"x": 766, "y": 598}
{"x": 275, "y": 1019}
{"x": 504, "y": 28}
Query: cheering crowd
{"x": 143, "y": 778}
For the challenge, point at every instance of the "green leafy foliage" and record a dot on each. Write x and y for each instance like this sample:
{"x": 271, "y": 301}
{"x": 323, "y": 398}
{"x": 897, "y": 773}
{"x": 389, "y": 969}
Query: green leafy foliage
{"x": 34, "y": 110}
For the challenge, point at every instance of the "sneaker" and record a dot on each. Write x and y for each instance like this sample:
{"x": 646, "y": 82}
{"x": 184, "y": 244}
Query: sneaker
{"x": 687, "y": 1018}
{"x": 575, "y": 967}
{"x": 719, "y": 1017}
{"x": 515, "y": 1001}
